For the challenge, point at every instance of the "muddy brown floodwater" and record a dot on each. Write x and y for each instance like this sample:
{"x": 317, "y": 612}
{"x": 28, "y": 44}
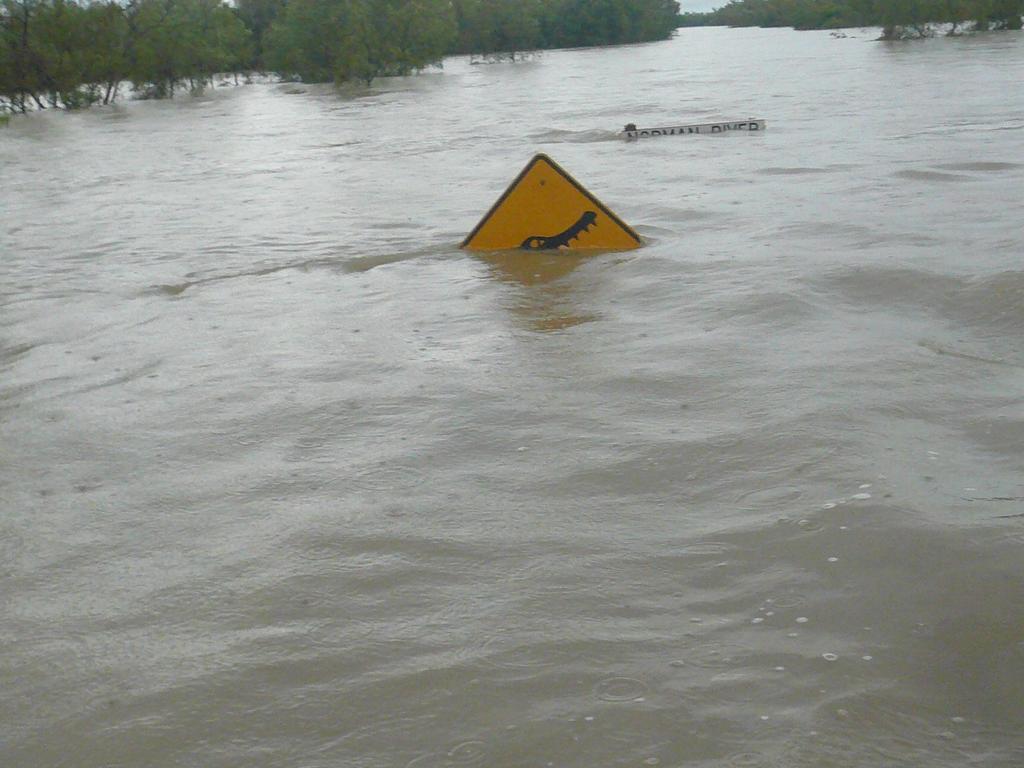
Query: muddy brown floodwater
{"x": 287, "y": 479}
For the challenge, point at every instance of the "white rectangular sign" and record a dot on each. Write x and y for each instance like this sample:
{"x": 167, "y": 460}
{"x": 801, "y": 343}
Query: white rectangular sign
{"x": 700, "y": 128}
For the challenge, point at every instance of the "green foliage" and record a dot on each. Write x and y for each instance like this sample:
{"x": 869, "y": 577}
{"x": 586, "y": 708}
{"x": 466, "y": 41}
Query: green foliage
{"x": 1006, "y": 14}
{"x": 321, "y": 40}
{"x": 360, "y": 39}
{"x": 571, "y": 23}
{"x": 339, "y": 40}
{"x": 958, "y": 14}
{"x": 498, "y": 26}
{"x": 258, "y": 15}
{"x": 898, "y": 18}
{"x": 75, "y": 53}
{"x": 800, "y": 14}
{"x": 183, "y": 40}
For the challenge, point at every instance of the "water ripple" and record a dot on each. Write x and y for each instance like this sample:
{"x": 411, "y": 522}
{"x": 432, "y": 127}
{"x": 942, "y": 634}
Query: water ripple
{"x": 716, "y": 655}
{"x": 620, "y": 689}
{"x": 387, "y": 477}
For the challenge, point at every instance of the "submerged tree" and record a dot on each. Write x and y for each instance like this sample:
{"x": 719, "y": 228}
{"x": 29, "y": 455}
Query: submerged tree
{"x": 258, "y": 15}
{"x": 571, "y": 23}
{"x": 74, "y": 53}
{"x": 506, "y": 27}
{"x": 184, "y": 41}
{"x": 1006, "y": 14}
{"x": 20, "y": 80}
{"x": 907, "y": 18}
{"x": 340, "y": 40}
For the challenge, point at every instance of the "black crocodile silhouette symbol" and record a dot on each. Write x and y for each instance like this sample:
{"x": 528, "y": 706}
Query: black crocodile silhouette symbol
{"x": 561, "y": 240}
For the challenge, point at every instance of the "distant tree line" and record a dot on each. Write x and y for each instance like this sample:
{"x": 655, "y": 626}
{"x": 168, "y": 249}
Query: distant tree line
{"x": 76, "y": 53}
{"x": 898, "y": 18}
{"x": 320, "y": 40}
{"x": 508, "y": 26}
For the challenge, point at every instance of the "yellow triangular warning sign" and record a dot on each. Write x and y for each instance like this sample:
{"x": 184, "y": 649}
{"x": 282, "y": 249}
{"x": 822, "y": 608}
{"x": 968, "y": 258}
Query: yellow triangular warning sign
{"x": 546, "y": 209}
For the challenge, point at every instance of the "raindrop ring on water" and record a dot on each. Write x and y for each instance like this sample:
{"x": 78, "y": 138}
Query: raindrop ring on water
{"x": 468, "y": 753}
{"x": 718, "y": 655}
{"x": 620, "y": 689}
{"x": 745, "y": 760}
{"x": 789, "y": 600}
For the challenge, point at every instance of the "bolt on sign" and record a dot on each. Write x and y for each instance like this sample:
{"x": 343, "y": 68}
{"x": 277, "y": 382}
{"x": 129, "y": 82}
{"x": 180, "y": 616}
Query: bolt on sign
{"x": 546, "y": 209}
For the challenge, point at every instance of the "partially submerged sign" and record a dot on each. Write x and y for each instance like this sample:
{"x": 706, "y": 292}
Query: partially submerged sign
{"x": 751, "y": 125}
{"x": 547, "y": 209}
